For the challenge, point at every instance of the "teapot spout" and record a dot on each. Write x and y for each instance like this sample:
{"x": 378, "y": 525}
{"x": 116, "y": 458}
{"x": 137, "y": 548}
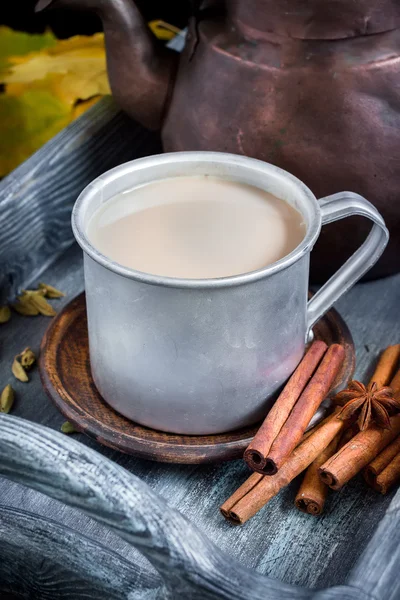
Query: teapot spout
{"x": 141, "y": 73}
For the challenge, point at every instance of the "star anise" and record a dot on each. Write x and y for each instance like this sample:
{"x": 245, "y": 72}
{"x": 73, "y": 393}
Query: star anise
{"x": 369, "y": 404}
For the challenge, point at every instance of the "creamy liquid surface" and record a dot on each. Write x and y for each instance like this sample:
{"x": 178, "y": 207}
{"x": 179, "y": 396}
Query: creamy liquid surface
{"x": 196, "y": 227}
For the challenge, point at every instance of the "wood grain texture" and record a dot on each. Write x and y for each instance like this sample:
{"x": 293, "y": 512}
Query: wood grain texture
{"x": 36, "y": 199}
{"x": 190, "y": 565}
{"x": 66, "y": 376}
{"x": 43, "y": 559}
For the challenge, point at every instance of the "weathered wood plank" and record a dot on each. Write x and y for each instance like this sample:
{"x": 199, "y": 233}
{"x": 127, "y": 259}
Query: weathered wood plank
{"x": 42, "y": 559}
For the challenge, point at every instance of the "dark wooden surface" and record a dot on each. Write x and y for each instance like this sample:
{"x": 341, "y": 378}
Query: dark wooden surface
{"x": 279, "y": 541}
{"x": 66, "y": 377}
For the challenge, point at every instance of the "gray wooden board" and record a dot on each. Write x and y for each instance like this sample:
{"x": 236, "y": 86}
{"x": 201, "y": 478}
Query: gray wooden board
{"x": 279, "y": 541}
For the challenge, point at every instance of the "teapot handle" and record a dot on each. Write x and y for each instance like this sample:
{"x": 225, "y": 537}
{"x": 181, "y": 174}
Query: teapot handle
{"x": 335, "y": 207}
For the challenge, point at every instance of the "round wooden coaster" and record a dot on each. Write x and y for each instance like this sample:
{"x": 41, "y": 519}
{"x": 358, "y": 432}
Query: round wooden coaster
{"x": 66, "y": 376}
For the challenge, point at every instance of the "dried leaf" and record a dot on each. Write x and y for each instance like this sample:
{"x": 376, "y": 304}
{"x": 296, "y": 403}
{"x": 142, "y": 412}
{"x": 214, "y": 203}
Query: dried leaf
{"x": 6, "y": 399}
{"x": 17, "y": 43}
{"x": 50, "y": 291}
{"x": 5, "y": 314}
{"x": 42, "y": 89}
{"x": 48, "y": 83}
{"x": 27, "y": 122}
{"x": 18, "y": 371}
{"x": 73, "y": 69}
{"x": 67, "y": 427}
{"x": 83, "y": 105}
{"x": 27, "y": 358}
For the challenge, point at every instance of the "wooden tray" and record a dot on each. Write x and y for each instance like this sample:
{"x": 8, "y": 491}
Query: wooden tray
{"x": 66, "y": 377}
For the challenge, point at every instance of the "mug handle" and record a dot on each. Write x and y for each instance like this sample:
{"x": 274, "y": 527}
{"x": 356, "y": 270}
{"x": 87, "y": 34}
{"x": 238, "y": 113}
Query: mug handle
{"x": 335, "y": 207}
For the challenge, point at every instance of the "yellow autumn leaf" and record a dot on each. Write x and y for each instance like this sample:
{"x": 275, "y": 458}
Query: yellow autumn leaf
{"x": 15, "y": 43}
{"x": 164, "y": 31}
{"x": 74, "y": 69}
{"x": 26, "y": 123}
{"x": 81, "y": 107}
{"x": 48, "y": 84}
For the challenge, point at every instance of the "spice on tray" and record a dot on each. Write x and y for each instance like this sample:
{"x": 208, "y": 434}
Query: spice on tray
{"x": 18, "y": 371}
{"x": 364, "y": 447}
{"x": 68, "y": 428}
{"x": 50, "y": 291}
{"x": 358, "y": 453}
{"x": 259, "y": 489}
{"x": 389, "y": 476}
{"x": 301, "y": 414}
{"x": 256, "y": 453}
{"x": 6, "y": 399}
{"x": 40, "y": 303}
{"x": 23, "y": 362}
{"x": 33, "y": 302}
{"x": 386, "y": 366}
{"x": 5, "y": 314}
{"x": 24, "y": 306}
{"x": 369, "y": 404}
{"x": 379, "y": 464}
{"x": 313, "y": 491}
{"x": 27, "y": 358}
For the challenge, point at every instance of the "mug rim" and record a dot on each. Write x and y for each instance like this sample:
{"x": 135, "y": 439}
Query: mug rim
{"x": 91, "y": 191}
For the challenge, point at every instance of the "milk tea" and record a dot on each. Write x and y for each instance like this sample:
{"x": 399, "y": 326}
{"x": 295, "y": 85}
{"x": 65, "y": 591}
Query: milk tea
{"x": 196, "y": 227}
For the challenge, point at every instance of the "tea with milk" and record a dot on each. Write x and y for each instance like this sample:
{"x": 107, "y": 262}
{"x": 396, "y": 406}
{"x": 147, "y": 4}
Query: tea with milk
{"x": 196, "y": 227}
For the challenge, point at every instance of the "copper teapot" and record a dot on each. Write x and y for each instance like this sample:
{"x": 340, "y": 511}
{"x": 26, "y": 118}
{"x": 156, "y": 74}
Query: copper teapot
{"x": 312, "y": 86}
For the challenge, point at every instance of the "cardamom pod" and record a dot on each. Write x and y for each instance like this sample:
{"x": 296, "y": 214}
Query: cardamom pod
{"x": 5, "y": 314}
{"x": 67, "y": 427}
{"x": 6, "y": 399}
{"x": 24, "y": 306}
{"x": 27, "y": 358}
{"x": 41, "y": 304}
{"x": 50, "y": 291}
{"x": 18, "y": 370}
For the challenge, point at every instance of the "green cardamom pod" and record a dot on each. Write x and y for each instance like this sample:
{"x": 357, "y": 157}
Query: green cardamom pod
{"x": 5, "y": 314}
{"x": 6, "y": 399}
{"x": 67, "y": 427}
{"x": 42, "y": 305}
{"x": 27, "y": 358}
{"x": 24, "y": 306}
{"x": 50, "y": 291}
{"x": 18, "y": 370}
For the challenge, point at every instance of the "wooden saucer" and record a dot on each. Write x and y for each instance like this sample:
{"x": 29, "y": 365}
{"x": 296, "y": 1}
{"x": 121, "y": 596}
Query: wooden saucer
{"x": 66, "y": 377}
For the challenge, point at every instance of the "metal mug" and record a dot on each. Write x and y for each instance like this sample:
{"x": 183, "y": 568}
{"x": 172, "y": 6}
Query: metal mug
{"x": 206, "y": 356}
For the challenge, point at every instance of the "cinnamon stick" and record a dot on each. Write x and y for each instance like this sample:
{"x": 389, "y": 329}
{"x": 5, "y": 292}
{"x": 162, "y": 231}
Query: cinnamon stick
{"x": 313, "y": 491}
{"x": 259, "y": 489}
{"x": 304, "y": 409}
{"x": 386, "y": 366}
{"x": 389, "y": 476}
{"x": 256, "y": 453}
{"x": 395, "y": 383}
{"x": 357, "y": 454}
{"x": 375, "y": 468}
